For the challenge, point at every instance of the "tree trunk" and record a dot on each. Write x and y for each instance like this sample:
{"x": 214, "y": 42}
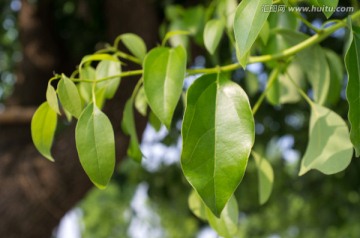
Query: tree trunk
{"x": 35, "y": 193}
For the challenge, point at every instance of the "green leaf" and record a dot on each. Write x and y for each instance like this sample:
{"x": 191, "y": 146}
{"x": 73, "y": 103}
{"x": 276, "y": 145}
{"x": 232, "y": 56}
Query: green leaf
{"x": 135, "y": 45}
{"x": 52, "y": 99}
{"x": 85, "y": 88}
{"x": 226, "y": 8}
{"x": 289, "y": 92}
{"x": 105, "y": 69}
{"x": 97, "y": 57}
{"x": 285, "y": 20}
{"x": 164, "y": 73}
{"x": 217, "y": 133}
{"x": 249, "y": 20}
{"x": 336, "y": 77}
{"x": 128, "y": 126}
{"x": 328, "y": 6}
{"x": 274, "y": 93}
{"x": 173, "y": 33}
{"x": 352, "y": 62}
{"x": 154, "y": 121}
{"x": 251, "y": 83}
{"x": 141, "y": 103}
{"x": 329, "y": 148}
{"x": 265, "y": 33}
{"x": 266, "y": 177}
{"x": 43, "y": 126}
{"x": 96, "y": 145}
{"x": 197, "y": 206}
{"x": 212, "y": 34}
{"x": 227, "y": 224}
{"x": 69, "y": 96}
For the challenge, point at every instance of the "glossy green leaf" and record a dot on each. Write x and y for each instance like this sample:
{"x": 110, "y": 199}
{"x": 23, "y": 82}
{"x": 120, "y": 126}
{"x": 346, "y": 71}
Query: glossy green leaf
{"x": 197, "y": 206}
{"x": 212, "y": 34}
{"x": 329, "y": 148}
{"x": 128, "y": 126}
{"x": 352, "y": 62}
{"x": 217, "y": 133}
{"x": 96, "y": 145}
{"x": 266, "y": 177}
{"x": 43, "y": 126}
{"x": 69, "y": 96}
{"x": 85, "y": 88}
{"x": 141, "y": 103}
{"x": 105, "y": 69}
{"x": 164, "y": 73}
{"x": 135, "y": 45}
{"x": 336, "y": 77}
{"x": 249, "y": 20}
{"x": 52, "y": 99}
{"x": 154, "y": 121}
{"x": 227, "y": 225}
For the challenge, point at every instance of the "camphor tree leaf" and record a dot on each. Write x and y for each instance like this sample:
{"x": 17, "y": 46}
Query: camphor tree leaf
{"x": 135, "y": 45}
{"x": 329, "y": 148}
{"x": 336, "y": 77}
{"x": 128, "y": 126}
{"x": 43, "y": 126}
{"x": 227, "y": 224}
{"x": 85, "y": 88}
{"x": 164, "y": 73}
{"x": 69, "y": 96}
{"x": 249, "y": 20}
{"x": 107, "y": 68}
{"x": 328, "y": 7}
{"x": 52, "y": 99}
{"x": 217, "y": 134}
{"x": 95, "y": 144}
{"x": 197, "y": 206}
{"x": 141, "y": 103}
{"x": 212, "y": 34}
{"x": 227, "y": 9}
{"x": 265, "y": 175}
{"x": 352, "y": 62}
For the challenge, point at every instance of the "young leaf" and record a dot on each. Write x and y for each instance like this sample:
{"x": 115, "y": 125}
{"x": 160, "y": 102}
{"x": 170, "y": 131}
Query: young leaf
{"x": 266, "y": 177}
{"x": 352, "y": 62}
{"x": 197, "y": 206}
{"x": 69, "y": 96}
{"x": 52, "y": 99}
{"x": 107, "y": 68}
{"x": 227, "y": 224}
{"x": 43, "y": 126}
{"x": 128, "y": 126}
{"x": 212, "y": 34}
{"x": 135, "y": 45}
{"x": 164, "y": 73}
{"x": 141, "y": 103}
{"x": 329, "y": 148}
{"x": 249, "y": 20}
{"x": 217, "y": 134}
{"x": 95, "y": 144}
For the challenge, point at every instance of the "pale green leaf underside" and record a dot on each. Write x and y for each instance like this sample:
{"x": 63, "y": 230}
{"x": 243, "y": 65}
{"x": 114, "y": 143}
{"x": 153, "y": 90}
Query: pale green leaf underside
{"x": 107, "y": 68}
{"x": 135, "y": 45}
{"x": 212, "y": 34}
{"x": 164, "y": 73}
{"x": 52, "y": 99}
{"x": 197, "y": 206}
{"x": 43, "y": 126}
{"x": 266, "y": 177}
{"x": 128, "y": 126}
{"x": 218, "y": 134}
{"x": 352, "y": 61}
{"x": 69, "y": 97}
{"x": 141, "y": 103}
{"x": 249, "y": 20}
{"x": 329, "y": 148}
{"x": 96, "y": 145}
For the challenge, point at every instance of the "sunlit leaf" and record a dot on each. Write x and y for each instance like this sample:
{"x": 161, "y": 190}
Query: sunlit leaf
{"x": 164, "y": 73}
{"x": 249, "y": 20}
{"x": 69, "y": 96}
{"x": 85, "y": 88}
{"x": 43, "y": 126}
{"x": 106, "y": 69}
{"x": 197, "y": 206}
{"x": 227, "y": 224}
{"x": 128, "y": 126}
{"x": 212, "y": 34}
{"x": 217, "y": 133}
{"x": 329, "y": 148}
{"x": 352, "y": 61}
{"x": 135, "y": 45}
{"x": 52, "y": 99}
{"x": 266, "y": 177}
{"x": 96, "y": 145}
{"x": 141, "y": 103}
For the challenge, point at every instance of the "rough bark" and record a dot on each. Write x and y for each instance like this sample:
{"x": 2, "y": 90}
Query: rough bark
{"x": 35, "y": 193}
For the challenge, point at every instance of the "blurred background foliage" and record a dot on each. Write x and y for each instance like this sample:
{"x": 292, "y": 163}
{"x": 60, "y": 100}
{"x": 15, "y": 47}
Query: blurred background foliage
{"x": 153, "y": 198}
